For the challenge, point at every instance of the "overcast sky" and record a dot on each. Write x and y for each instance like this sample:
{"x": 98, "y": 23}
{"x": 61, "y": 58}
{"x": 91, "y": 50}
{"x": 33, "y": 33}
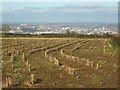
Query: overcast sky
{"x": 35, "y": 12}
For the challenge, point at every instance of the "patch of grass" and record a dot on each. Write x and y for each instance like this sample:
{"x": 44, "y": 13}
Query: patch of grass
{"x": 24, "y": 78}
{"x": 114, "y": 45}
{"x": 19, "y": 64}
{"x": 9, "y": 71}
{"x": 47, "y": 80}
{"x": 16, "y": 58}
{"x": 85, "y": 53}
{"x": 6, "y": 58}
{"x": 56, "y": 69}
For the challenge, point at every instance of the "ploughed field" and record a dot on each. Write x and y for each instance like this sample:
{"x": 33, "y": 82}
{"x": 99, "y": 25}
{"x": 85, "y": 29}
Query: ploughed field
{"x": 58, "y": 63}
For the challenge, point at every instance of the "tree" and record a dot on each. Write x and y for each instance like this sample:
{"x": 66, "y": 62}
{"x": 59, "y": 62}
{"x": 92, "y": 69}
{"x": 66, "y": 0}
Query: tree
{"x": 68, "y": 31}
{"x": 5, "y": 28}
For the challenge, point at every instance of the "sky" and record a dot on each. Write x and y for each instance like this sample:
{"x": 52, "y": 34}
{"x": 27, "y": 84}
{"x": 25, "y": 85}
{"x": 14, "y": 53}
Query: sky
{"x": 52, "y": 12}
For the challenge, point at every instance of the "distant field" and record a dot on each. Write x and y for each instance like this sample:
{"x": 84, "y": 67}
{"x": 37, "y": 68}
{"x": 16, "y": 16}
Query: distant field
{"x": 58, "y": 63}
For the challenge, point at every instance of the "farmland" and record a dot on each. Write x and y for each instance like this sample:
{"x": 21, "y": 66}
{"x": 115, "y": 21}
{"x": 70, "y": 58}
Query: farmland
{"x": 58, "y": 63}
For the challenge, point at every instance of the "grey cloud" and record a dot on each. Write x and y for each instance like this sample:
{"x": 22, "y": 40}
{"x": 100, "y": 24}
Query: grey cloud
{"x": 93, "y": 8}
{"x": 71, "y": 7}
{"x": 33, "y": 8}
{"x": 23, "y": 11}
{"x": 80, "y": 7}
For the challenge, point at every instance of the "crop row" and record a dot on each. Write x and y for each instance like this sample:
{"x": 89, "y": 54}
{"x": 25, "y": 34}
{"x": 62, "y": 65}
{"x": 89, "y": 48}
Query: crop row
{"x": 81, "y": 60}
{"x": 68, "y": 69}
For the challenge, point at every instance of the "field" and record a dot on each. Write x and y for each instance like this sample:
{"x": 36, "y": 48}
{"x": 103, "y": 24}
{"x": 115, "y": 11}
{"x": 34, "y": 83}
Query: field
{"x": 58, "y": 63}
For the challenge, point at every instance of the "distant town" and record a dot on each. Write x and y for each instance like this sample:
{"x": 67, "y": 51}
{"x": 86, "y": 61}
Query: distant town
{"x": 87, "y": 29}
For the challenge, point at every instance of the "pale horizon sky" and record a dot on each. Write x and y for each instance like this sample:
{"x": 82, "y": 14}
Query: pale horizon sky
{"x": 38, "y": 12}
{"x": 59, "y": 0}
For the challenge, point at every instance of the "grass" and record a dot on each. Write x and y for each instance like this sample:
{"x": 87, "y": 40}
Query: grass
{"x": 20, "y": 64}
{"x": 17, "y": 58}
{"x": 56, "y": 69}
{"x": 24, "y": 78}
{"x": 114, "y": 45}
{"x": 50, "y": 73}
{"x": 6, "y": 58}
